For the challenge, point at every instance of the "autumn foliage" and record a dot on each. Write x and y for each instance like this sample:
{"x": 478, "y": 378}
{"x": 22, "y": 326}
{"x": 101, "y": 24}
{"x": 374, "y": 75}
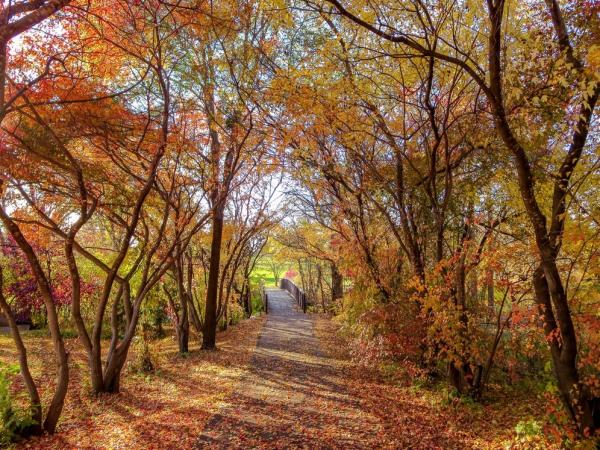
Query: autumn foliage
{"x": 427, "y": 173}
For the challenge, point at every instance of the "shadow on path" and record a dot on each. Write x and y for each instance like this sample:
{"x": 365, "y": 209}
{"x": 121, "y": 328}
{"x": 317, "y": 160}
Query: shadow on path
{"x": 293, "y": 397}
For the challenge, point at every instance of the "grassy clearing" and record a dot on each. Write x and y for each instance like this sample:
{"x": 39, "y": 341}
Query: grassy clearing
{"x": 263, "y": 272}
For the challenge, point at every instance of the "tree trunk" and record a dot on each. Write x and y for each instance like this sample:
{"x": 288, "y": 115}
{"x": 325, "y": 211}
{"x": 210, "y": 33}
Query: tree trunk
{"x": 563, "y": 350}
{"x": 112, "y": 379}
{"x": 225, "y": 322}
{"x": 321, "y": 289}
{"x": 337, "y": 283}
{"x": 183, "y": 323}
{"x": 489, "y": 281}
{"x": 114, "y": 367}
{"x": 549, "y": 289}
{"x": 246, "y": 294}
{"x": 460, "y": 373}
{"x": 184, "y": 337}
{"x": 209, "y": 334}
{"x": 195, "y": 316}
{"x": 96, "y": 375}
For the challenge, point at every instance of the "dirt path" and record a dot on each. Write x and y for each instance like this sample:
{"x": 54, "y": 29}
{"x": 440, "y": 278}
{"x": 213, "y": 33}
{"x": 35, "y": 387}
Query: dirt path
{"x": 294, "y": 396}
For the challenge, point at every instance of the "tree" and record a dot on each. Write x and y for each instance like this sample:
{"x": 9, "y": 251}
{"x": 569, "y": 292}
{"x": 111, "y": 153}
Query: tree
{"x": 236, "y": 142}
{"x": 582, "y": 90}
{"x": 16, "y": 19}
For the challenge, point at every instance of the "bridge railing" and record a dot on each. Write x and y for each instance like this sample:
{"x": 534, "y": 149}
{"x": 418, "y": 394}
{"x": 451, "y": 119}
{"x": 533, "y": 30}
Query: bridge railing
{"x": 298, "y": 294}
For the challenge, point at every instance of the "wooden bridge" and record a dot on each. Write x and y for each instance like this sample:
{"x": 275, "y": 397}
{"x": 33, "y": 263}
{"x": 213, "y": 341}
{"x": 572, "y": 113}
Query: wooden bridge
{"x": 296, "y": 293}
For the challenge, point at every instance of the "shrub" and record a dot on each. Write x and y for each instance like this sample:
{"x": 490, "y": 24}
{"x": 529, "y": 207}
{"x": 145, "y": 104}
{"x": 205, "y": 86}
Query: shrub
{"x": 143, "y": 359}
{"x": 13, "y": 421}
{"x": 529, "y": 435}
{"x": 236, "y": 313}
{"x": 256, "y": 300}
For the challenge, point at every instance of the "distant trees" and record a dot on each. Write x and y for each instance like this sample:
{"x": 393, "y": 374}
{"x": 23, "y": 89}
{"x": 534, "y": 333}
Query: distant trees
{"x": 276, "y": 259}
{"x": 226, "y": 78}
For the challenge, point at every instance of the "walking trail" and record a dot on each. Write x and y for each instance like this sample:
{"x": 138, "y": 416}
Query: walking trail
{"x": 293, "y": 396}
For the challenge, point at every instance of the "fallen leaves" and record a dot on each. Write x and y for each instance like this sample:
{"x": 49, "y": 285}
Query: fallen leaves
{"x": 167, "y": 409}
{"x": 298, "y": 389}
{"x": 418, "y": 418}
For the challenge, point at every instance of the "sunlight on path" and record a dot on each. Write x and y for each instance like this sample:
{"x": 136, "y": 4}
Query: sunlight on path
{"x": 294, "y": 396}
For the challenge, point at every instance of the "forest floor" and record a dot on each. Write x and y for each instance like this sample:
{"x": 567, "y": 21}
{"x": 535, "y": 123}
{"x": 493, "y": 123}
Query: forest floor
{"x": 165, "y": 409}
{"x": 303, "y": 391}
{"x": 284, "y": 381}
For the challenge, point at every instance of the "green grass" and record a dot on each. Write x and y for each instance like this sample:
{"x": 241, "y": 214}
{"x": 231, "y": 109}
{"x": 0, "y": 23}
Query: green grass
{"x": 262, "y": 273}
